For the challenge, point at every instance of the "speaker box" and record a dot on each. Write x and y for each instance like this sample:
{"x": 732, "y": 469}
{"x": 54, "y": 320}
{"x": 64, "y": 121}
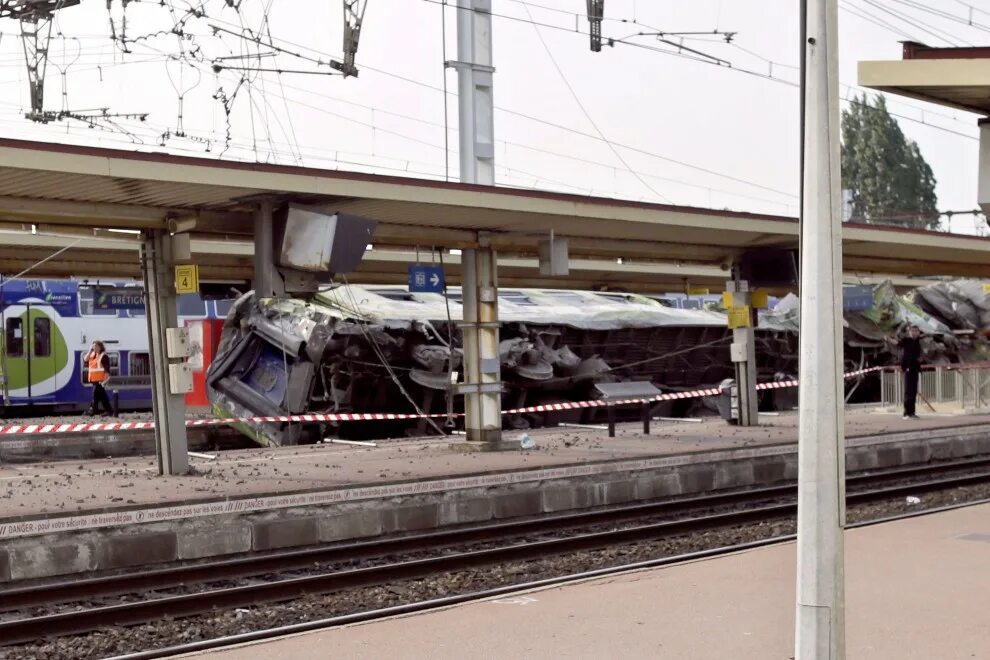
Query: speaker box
{"x": 314, "y": 241}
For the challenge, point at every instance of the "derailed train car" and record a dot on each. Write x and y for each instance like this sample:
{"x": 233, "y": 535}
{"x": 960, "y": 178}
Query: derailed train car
{"x": 354, "y": 349}
{"x": 383, "y": 349}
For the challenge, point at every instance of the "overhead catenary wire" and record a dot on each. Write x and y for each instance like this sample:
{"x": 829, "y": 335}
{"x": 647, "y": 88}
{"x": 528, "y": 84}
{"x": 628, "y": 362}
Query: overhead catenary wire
{"x": 587, "y": 114}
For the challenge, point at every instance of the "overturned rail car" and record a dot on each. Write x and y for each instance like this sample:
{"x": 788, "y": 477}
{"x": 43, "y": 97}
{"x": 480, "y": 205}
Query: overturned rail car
{"x": 355, "y": 349}
{"x": 381, "y": 349}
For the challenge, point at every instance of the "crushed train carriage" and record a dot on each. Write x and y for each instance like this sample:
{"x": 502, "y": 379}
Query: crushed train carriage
{"x": 355, "y": 349}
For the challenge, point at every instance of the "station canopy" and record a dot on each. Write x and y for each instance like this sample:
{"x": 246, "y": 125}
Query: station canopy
{"x": 953, "y": 77}
{"x": 53, "y": 195}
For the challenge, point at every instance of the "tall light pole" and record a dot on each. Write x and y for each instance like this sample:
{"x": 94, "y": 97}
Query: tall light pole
{"x": 820, "y": 624}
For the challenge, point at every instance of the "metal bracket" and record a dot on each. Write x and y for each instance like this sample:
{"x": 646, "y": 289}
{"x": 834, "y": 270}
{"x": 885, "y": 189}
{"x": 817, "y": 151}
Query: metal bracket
{"x": 479, "y": 324}
{"x": 481, "y": 388}
{"x": 457, "y": 64}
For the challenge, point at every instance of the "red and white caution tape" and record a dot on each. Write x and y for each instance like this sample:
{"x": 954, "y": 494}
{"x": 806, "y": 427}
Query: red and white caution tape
{"x": 95, "y": 427}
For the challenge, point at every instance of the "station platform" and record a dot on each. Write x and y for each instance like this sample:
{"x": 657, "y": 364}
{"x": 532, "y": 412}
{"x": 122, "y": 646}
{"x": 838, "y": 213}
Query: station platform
{"x": 916, "y": 588}
{"x": 63, "y": 518}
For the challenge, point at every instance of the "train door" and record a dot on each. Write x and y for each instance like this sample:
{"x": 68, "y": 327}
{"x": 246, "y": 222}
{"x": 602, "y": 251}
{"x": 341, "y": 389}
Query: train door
{"x": 33, "y": 355}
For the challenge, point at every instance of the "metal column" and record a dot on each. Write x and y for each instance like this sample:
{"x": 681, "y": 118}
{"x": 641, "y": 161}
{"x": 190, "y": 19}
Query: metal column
{"x": 482, "y": 382}
{"x": 743, "y": 353}
{"x": 475, "y": 103}
{"x": 482, "y": 379}
{"x": 266, "y": 281}
{"x": 170, "y": 409}
{"x": 820, "y": 624}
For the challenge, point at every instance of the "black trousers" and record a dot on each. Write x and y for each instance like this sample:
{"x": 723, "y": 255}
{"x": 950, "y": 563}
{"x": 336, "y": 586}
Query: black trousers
{"x": 100, "y": 398}
{"x": 910, "y": 389}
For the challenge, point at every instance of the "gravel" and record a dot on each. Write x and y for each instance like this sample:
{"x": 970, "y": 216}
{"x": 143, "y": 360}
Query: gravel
{"x": 169, "y": 632}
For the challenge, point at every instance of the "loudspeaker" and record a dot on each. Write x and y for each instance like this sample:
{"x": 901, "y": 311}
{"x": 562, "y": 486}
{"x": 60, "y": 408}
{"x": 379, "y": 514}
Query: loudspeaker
{"x": 769, "y": 267}
{"x": 314, "y": 241}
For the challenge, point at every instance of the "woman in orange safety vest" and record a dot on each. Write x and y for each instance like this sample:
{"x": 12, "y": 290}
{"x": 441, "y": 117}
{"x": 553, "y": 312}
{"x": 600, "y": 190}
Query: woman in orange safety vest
{"x": 98, "y": 373}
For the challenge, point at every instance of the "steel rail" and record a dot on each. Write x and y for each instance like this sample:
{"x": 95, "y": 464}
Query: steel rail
{"x": 261, "y": 564}
{"x": 28, "y": 629}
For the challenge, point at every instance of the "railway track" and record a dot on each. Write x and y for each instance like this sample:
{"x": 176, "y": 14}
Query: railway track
{"x": 508, "y": 543}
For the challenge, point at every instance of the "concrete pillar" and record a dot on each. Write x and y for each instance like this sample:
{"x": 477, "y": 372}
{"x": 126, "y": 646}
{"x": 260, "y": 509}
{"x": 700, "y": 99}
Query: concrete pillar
{"x": 743, "y": 352}
{"x": 482, "y": 386}
{"x": 267, "y": 283}
{"x": 820, "y": 615}
{"x": 476, "y": 133}
{"x": 475, "y": 101}
{"x": 170, "y": 409}
{"x": 983, "y": 178}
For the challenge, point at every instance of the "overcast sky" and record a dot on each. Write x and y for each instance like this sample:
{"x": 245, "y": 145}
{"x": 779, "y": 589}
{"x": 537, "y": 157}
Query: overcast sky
{"x": 701, "y": 133}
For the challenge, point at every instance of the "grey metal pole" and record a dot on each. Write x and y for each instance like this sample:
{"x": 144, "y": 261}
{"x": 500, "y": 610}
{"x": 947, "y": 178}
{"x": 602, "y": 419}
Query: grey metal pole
{"x": 264, "y": 252}
{"x": 820, "y": 621}
{"x": 476, "y": 134}
{"x": 160, "y": 310}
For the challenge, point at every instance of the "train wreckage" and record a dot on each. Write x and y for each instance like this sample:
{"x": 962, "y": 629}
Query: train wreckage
{"x": 354, "y": 349}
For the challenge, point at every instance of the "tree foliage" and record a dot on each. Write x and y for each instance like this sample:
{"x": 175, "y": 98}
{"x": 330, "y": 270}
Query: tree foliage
{"x": 890, "y": 181}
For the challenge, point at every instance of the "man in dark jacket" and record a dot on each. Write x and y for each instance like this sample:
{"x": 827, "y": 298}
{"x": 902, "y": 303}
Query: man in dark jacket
{"x": 911, "y": 366}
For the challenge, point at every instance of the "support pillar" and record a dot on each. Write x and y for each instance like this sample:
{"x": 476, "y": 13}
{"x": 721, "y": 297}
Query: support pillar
{"x": 267, "y": 283}
{"x": 820, "y": 620}
{"x": 983, "y": 177}
{"x": 482, "y": 386}
{"x": 743, "y": 353}
{"x": 171, "y": 444}
{"x": 475, "y": 101}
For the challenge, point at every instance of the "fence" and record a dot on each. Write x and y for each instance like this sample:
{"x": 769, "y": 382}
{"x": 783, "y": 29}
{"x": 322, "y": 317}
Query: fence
{"x": 951, "y": 387}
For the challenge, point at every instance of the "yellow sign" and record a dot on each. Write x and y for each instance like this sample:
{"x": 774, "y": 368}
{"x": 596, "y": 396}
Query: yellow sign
{"x": 187, "y": 278}
{"x": 697, "y": 292}
{"x": 727, "y": 299}
{"x": 760, "y": 299}
{"x": 986, "y": 288}
{"x": 739, "y": 317}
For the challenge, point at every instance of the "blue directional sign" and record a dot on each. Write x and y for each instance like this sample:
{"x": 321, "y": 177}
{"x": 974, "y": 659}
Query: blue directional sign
{"x": 132, "y": 299}
{"x": 426, "y": 279}
{"x": 857, "y": 298}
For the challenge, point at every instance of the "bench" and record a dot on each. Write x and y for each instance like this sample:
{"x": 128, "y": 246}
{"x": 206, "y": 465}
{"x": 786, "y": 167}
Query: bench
{"x": 634, "y": 389}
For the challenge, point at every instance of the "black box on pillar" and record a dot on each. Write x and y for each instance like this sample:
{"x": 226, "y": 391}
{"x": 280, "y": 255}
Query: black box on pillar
{"x": 312, "y": 245}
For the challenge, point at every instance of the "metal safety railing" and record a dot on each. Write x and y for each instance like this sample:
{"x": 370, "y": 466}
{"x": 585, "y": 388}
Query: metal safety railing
{"x": 956, "y": 387}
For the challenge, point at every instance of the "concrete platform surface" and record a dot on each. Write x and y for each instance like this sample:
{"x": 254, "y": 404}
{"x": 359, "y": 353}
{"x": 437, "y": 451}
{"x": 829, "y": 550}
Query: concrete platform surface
{"x": 109, "y": 484}
{"x": 916, "y": 589}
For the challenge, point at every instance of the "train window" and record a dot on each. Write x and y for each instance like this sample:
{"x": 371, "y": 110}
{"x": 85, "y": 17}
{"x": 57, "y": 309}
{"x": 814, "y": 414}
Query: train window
{"x": 568, "y": 297}
{"x": 87, "y": 304}
{"x": 191, "y": 305}
{"x": 42, "y": 337}
{"x": 223, "y": 308}
{"x": 692, "y": 304}
{"x": 516, "y": 297}
{"x": 615, "y": 297}
{"x": 138, "y": 364}
{"x": 392, "y": 294}
{"x": 14, "y": 337}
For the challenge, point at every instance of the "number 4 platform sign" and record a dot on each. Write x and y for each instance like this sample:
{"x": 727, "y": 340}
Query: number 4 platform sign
{"x": 187, "y": 278}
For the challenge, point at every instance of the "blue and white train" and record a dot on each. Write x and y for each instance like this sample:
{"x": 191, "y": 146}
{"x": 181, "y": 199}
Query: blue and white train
{"x": 48, "y": 327}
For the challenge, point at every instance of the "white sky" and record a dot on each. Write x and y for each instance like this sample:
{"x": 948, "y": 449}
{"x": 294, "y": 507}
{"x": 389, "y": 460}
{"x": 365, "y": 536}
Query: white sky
{"x": 672, "y": 110}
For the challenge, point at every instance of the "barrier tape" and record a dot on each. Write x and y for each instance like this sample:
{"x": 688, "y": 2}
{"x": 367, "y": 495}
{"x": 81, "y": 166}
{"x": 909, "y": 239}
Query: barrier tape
{"x": 94, "y": 427}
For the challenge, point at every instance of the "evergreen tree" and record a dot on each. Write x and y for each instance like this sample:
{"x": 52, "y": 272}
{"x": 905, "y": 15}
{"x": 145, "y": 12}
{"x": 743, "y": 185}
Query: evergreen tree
{"x": 890, "y": 182}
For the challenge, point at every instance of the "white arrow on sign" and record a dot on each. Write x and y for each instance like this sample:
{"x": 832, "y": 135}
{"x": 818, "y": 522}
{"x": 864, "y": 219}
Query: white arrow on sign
{"x": 435, "y": 279}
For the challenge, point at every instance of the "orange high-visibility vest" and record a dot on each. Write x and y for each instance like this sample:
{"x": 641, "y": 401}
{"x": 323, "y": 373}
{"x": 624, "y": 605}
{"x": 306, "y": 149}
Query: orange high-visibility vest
{"x": 97, "y": 374}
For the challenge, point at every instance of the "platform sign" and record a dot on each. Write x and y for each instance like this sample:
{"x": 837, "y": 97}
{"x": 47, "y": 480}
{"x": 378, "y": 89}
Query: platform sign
{"x": 426, "y": 279}
{"x": 187, "y": 278}
{"x": 857, "y": 298}
{"x": 117, "y": 299}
